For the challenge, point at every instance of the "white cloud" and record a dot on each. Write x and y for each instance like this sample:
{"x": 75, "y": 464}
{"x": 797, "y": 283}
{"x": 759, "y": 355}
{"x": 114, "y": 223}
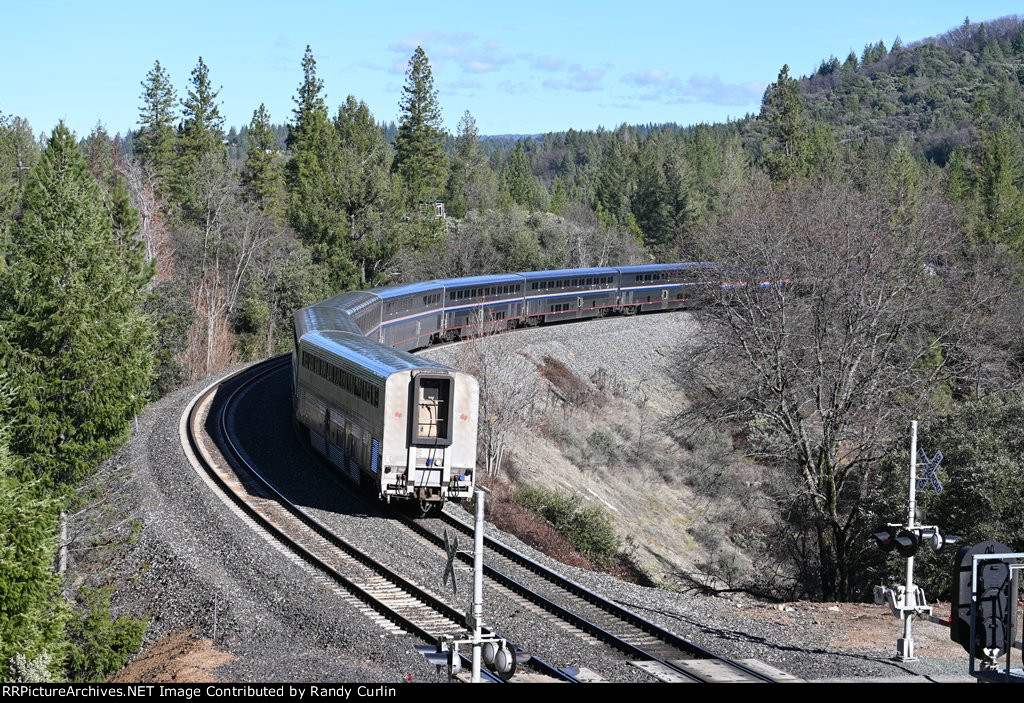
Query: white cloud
{"x": 579, "y": 79}
{"x": 660, "y": 86}
{"x": 464, "y": 49}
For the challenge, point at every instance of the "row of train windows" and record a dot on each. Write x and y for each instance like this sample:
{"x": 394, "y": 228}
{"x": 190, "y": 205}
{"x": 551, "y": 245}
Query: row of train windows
{"x": 572, "y": 282}
{"x": 561, "y": 307}
{"x": 483, "y": 292}
{"x": 404, "y": 304}
{"x": 640, "y": 277}
{"x": 360, "y": 388}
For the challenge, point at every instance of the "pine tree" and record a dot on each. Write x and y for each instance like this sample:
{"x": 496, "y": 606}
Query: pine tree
{"x": 262, "y": 176}
{"x": 363, "y": 183}
{"x": 75, "y": 346}
{"x": 365, "y": 160}
{"x": 311, "y": 110}
{"x": 518, "y": 181}
{"x": 999, "y": 184}
{"x": 32, "y": 614}
{"x": 98, "y": 150}
{"x": 617, "y": 180}
{"x": 559, "y": 198}
{"x": 651, "y": 201}
{"x": 419, "y": 146}
{"x": 471, "y": 184}
{"x": 789, "y": 137}
{"x": 202, "y": 129}
{"x": 156, "y": 142}
{"x": 314, "y": 209}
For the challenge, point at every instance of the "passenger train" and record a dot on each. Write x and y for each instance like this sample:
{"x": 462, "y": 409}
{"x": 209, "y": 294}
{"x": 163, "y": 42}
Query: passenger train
{"x": 405, "y": 427}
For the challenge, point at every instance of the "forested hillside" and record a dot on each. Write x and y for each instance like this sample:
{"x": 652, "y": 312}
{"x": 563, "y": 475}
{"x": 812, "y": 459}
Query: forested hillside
{"x": 134, "y": 264}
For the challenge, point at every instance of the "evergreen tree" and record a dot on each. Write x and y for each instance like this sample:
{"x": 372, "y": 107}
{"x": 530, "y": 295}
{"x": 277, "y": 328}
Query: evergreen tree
{"x": 32, "y": 614}
{"x": 651, "y": 203}
{"x": 1000, "y": 180}
{"x": 74, "y": 344}
{"x": 156, "y": 142}
{"x": 202, "y": 129}
{"x": 519, "y": 183}
{"x": 559, "y": 196}
{"x": 471, "y": 185}
{"x": 18, "y": 153}
{"x": 704, "y": 155}
{"x": 311, "y": 111}
{"x": 789, "y": 137}
{"x": 365, "y": 160}
{"x": 262, "y": 176}
{"x": 98, "y": 150}
{"x": 902, "y": 179}
{"x": 419, "y": 146}
{"x": 314, "y": 209}
{"x": 617, "y": 178}
{"x": 363, "y": 183}
{"x": 680, "y": 190}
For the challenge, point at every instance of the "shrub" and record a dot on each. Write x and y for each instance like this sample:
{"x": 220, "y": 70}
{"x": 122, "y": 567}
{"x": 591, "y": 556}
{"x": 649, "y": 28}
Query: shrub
{"x": 588, "y": 528}
{"x": 100, "y": 645}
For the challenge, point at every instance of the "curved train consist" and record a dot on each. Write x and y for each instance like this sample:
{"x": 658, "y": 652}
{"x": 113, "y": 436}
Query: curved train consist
{"x": 406, "y": 427}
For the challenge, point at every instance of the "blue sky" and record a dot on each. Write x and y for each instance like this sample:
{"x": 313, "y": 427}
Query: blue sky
{"x": 522, "y": 67}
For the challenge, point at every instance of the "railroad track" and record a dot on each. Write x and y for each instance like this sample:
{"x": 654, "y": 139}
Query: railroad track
{"x": 661, "y": 653}
{"x": 395, "y": 598}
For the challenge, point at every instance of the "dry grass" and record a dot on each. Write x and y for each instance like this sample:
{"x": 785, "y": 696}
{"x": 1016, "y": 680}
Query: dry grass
{"x": 179, "y": 657}
{"x": 573, "y": 389}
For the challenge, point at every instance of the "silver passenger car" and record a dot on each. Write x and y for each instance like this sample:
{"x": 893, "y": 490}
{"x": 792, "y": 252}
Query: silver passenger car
{"x": 391, "y": 421}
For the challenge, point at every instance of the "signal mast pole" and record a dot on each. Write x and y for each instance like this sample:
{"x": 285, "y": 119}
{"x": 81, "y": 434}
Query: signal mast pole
{"x": 905, "y": 647}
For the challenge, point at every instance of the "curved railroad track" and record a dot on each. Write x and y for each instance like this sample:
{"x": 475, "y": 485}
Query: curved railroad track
{"x": 386, "y": 592}
{"x": 660, "y": 652}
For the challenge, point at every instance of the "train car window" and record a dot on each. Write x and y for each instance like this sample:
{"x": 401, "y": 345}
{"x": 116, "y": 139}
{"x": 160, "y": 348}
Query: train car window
{"x": 432, "y": 412}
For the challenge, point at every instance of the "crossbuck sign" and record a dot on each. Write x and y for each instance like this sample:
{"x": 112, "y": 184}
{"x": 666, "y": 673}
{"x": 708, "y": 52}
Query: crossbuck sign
{"x": 930, "y": 467}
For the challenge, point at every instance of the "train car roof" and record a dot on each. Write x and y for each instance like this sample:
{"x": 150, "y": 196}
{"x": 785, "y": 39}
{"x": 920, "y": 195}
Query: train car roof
{"x": 397, "y": 290}
{"x": 376, "y": 358}
{"x": 647, "y": 268}
{"x": 351, "y": 301}
{"x": 530, "y": 275}
{"x": 323, "y": 317}
{"x": 480, "y": 280}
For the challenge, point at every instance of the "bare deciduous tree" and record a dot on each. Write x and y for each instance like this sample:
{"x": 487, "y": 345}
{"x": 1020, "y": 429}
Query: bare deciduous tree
{"x": 509, "y": 389}
{"x": 817, "y": 377}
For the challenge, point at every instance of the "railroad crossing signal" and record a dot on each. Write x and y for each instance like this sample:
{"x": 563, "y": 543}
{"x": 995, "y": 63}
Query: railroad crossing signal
{"x": 930, "y": 466}
{"x": 452, "y": 547}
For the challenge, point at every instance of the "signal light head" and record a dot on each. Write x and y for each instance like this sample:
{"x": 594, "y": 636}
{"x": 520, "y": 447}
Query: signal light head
{"x": 885, "y": 539}
{"x": 907, "y": 543}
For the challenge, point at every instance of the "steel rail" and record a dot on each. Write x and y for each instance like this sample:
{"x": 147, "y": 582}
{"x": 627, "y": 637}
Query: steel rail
{"x": 631, "y": 648}
{"x": 252, "y": 374}
{"x": 612, "y": 608}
